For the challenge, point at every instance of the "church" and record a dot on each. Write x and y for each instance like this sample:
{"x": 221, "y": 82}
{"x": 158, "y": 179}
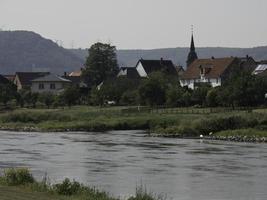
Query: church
{"x": 212, "y": 71}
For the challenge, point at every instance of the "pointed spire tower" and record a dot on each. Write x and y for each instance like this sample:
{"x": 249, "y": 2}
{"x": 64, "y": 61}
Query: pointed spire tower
{"x": 192, "y": 56}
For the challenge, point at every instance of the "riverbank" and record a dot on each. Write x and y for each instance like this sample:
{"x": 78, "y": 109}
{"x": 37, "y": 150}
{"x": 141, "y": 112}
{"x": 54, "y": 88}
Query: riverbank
{"x": 161, "y": 123}
{"x": 19, "y": 184}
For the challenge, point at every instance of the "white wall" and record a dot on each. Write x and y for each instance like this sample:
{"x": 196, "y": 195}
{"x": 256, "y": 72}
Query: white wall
{"x": 140, "y": 69}
{"x": 58, "y": 86}
{"x": 190, "y": 82}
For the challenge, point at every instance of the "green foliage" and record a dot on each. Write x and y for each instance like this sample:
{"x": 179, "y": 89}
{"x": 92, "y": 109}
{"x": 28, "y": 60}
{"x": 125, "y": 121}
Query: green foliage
{"x": 68, "y": 188}
{"x": 71, "y": 96}
{"x": 152, "y": 91}
{"x": 101, "y": 64}
{"x": 47, "y": 98}
{"x": 142, "y": 194}
{"x": 34, "y": 117}
{"x": 7, "y": 93}
{"x": 20, "y": 176}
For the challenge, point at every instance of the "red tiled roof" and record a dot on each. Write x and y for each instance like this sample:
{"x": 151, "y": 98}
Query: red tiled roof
{"x": 215, "y": 67}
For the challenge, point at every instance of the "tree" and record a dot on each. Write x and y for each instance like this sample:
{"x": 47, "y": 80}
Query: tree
{"x": 7, "y": 93}
{"x": 47, "y": 98}
{"x": 101, "y": 64}
{"x": 71, "y": 95}
{"x": 211, "y": 98}
{"x": 174, "y": 95}
{"x": 152, "y": 91}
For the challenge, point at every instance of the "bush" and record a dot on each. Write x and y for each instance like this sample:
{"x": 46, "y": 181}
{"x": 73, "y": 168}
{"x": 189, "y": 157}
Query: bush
{"x": 68, "y": 188}
{"x": 142, "y": 194}
{"x": 20, "y": 176}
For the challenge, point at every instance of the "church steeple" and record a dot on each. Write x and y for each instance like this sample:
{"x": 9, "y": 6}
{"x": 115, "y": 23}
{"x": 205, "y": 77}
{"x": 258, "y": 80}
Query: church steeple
{"x": 192, "y": 56}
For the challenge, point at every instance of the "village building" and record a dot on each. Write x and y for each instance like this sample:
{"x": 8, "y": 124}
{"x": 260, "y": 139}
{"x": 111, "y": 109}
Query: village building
{"x": 3, "y": 80}
{"x": 49, "y": 84}
{"x": 215, "y": 71}
{"x": 144, "y": 68}
{"x": 192, "y": 56}
{"x": 261, "y": 68}
{"x": 23, "y": 79}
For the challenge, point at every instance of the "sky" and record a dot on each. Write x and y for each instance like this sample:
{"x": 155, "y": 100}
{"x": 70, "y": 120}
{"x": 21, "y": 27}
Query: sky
{"x": 140, "y": 24}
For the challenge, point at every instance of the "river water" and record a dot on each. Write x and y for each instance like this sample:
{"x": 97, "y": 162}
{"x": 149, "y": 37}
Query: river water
{"x": 118, "y": 161}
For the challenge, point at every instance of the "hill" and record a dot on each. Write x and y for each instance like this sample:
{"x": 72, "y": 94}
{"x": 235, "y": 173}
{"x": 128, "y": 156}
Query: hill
{"x": 28, "y": 51}
{"x": 179, "y": 55}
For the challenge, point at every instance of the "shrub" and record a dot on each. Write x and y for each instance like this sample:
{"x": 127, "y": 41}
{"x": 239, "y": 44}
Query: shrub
{"x": 68, "y": 188}
{"x": 20, "y": 176}
{"x": 142, "y": 194}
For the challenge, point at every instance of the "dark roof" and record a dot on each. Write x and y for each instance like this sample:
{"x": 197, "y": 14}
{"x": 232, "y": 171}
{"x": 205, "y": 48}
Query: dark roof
{"x": 215, "y": 66}
{"x": 50, "y": 78}
{"x": 10, "y": 77}
{"x": 73, "y": 79}
{"x": 26, "y": 77}
{"x": 130, "y": 72}
{"x": 158, "y": 65}
{"x": 263, "y": 74}
{"x": 3, "y": 80}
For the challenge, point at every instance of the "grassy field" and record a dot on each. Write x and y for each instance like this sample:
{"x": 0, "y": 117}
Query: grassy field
{"x": 19, "y": 184}
{"x": 19, "y": 193}
{"x": 178, "y": 122}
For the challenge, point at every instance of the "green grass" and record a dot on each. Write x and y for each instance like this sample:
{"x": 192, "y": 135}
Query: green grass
{"x": 19, "y": 184}
{"x": 178, "y": 122}
{"x": 243, "y": 132}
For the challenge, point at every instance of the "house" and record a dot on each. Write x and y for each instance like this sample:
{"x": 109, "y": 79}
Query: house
{"x": 129, "y": 72}
{"x": 3, "y": 80}
{"x": 76, "y": 73}
{"x": 214, "y": 71}
{"x": 50, "y": 83}
{"x": 11, "y": 78}
{"x": 180, "y": 71}
{"x": 23, "y": 79}
{"x": 76, "y": 81}
{"x": 144, "y": 68}
{"x": 261, "y": 67}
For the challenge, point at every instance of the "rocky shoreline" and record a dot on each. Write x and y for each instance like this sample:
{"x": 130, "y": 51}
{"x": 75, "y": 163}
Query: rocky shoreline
{"x": 249, "y": 139}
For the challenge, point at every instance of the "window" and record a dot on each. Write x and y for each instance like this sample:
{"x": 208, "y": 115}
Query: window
{"x": 41, "y": 86}
{"x": 52, "y": 86}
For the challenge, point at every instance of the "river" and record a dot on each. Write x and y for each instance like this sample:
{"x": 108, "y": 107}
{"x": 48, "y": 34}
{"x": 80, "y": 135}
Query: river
{"x": 117, "y": 161}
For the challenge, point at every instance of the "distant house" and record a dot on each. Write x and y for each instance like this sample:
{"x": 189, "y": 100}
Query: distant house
{"x": 180, "y": 71}
{"x": 3, "y": 80}
{"x": 214, "y": 71}
{"x": 50, "y": 83}
{"x": 144, "y": 68}
{"x": 11, "y": 78}
{"x": 76, "y": 81}
{"x": 260, "y": 69}
{"x": 76, "y": 73}
{"x": 129, "y": 72}
{"x": 23, "y": 79}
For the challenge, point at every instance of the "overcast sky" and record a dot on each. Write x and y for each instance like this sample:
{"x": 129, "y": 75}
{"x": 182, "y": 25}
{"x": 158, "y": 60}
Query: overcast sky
{"x": 140, "y": 24}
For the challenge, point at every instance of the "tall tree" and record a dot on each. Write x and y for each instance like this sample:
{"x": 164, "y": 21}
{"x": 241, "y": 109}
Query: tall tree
{"x": 101, "y": 63}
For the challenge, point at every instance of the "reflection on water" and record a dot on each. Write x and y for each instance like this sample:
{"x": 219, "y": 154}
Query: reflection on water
{"x": 118, "y": 161}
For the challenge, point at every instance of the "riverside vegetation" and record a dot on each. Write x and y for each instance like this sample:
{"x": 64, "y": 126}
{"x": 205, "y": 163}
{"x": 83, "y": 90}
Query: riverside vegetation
{"x": 161, "y": 122}
{"x": 20, "y": 184}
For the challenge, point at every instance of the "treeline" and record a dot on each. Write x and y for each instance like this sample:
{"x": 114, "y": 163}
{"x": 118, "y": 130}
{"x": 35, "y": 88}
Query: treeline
{"x": 25, "y": 98}
{"x": 159, "y": 89}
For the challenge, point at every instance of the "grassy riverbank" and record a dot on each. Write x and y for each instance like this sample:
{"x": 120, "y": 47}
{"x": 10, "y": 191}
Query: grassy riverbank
{"x": 19, "y": 184}
{"x": 161, "y": 122}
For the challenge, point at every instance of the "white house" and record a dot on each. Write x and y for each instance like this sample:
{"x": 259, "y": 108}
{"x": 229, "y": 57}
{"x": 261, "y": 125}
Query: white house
{"x": 214, "y": 71}
{"x": 49, "y": 84}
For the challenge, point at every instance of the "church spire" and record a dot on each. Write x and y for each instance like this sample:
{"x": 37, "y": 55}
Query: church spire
{"x": 192, "y": 56}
